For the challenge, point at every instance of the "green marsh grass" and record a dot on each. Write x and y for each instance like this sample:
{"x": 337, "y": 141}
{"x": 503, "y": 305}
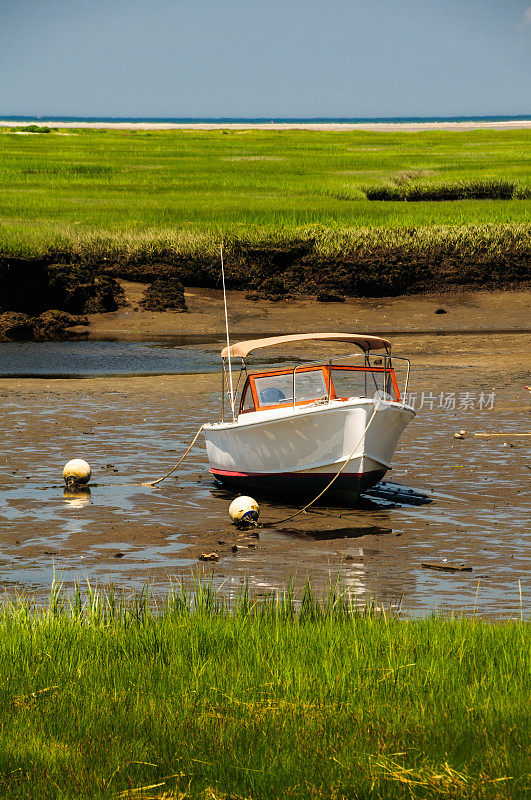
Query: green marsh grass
{"x": 62, "y": 191}
{"x": 290, "y": 697}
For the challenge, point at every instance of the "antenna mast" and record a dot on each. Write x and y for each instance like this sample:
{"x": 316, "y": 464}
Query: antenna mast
{"x": 227, "y": 329}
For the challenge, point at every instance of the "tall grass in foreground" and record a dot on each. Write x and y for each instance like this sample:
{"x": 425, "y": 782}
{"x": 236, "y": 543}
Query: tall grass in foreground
{"x": 314, "y": 699}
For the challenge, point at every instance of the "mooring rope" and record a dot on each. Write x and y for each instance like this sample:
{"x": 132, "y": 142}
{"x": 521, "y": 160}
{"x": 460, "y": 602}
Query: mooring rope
{"x": 159, "y": 480}
{"x": 328, "y": 485}
{"x": 275, "y": 521}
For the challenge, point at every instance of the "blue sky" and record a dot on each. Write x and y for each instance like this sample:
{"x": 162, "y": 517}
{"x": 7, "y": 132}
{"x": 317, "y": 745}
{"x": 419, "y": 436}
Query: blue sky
{"x": 265, "y": 58}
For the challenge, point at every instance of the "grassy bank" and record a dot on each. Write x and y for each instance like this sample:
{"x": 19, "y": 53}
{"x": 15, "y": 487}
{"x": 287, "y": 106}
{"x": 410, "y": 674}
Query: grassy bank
{"x": 263, "y": 702}
{"x": 353, "y": 262}
{"x": 292, "y": 207}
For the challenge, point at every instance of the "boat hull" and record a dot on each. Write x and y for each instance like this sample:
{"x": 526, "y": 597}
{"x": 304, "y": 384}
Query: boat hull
{"x": 298, "y": 451}
{"x": 302, "y": 486}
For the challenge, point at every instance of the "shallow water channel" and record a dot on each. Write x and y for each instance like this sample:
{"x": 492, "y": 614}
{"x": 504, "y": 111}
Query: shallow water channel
{"x": 82, "y": 359}
{"x": 445, "y": 501}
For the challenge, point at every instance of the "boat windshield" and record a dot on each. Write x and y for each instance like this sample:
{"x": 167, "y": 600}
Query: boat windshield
{"x": 362, "y": 382}
{"x": 320, "y": 382}
{"x": 273, "y": 389}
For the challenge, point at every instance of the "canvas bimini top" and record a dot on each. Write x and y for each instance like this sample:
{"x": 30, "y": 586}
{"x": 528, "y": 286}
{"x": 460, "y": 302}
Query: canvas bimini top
{"x": 363, "y": 341}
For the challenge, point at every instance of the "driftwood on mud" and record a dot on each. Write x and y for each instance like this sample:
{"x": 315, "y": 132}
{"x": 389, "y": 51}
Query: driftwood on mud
{"x": 444, "y": 567}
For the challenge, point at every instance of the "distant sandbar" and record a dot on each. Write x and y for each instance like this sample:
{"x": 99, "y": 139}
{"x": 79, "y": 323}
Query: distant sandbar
{"x": 384, "y": 127}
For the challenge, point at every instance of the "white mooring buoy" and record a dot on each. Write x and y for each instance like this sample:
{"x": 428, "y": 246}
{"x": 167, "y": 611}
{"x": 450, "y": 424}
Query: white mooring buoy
{"x": 244, "y": 511}
{"x": 77, "y": 472}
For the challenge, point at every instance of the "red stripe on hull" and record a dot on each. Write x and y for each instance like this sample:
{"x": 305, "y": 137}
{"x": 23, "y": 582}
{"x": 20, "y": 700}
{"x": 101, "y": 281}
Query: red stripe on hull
{"x": 345, "y": 489}
{"x": 327, "y": 476}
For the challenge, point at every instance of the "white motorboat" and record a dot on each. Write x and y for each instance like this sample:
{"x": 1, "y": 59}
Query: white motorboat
{"x": 297, "y": 427}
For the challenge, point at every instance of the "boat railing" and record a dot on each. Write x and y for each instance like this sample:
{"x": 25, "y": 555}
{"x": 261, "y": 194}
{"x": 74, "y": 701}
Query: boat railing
{"x": 387, "y": 366}
{"x": 408, "y": 367}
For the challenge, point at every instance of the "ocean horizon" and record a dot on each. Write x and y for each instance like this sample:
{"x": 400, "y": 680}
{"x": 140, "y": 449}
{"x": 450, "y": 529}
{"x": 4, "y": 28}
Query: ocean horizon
{"x": 265, "y": 120}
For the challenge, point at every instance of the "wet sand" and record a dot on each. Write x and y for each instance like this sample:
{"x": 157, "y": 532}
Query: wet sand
{"x": 132, "y": 429}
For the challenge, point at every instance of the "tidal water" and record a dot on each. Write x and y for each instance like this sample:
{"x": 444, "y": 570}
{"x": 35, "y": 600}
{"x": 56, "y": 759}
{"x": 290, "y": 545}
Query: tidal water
{"x": 83, "y": 359}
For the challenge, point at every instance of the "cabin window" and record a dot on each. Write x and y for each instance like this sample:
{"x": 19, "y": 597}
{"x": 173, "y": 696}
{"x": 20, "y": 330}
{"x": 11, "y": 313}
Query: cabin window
{"x": 310, "y": 385}
{"x": 278, "y": 389}
{"x": 274, "y": 389}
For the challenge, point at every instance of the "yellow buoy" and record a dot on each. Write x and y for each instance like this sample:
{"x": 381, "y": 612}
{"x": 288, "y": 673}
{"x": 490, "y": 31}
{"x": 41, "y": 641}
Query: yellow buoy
{"x": 244, "y": 511}
{"x": 77, "y": 472}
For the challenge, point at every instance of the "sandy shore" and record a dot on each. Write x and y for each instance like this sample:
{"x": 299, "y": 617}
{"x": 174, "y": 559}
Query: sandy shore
{"x": 384, "y": 127}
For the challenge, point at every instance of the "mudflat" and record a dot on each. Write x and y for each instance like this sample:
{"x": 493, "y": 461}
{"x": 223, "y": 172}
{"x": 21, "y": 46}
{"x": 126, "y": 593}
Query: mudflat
{"x": 437, "y": 313}
{"x": 470, "y": 366}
